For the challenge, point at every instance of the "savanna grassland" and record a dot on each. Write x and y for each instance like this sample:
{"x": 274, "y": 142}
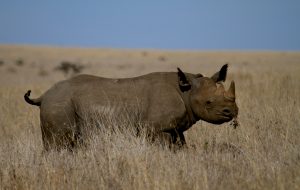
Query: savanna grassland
{"x": 262, "y": 153}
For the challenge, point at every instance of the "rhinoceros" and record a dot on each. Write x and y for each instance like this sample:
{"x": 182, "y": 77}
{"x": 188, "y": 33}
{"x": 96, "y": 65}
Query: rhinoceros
{"x": 168, "y": 103}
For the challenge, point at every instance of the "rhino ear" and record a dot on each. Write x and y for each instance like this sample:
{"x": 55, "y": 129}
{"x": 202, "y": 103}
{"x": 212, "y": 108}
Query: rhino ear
{"x": 184, "y": 84}
{"x": 221, "y": 75}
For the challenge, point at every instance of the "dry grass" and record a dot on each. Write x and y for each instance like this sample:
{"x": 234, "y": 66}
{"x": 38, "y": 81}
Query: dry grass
{"x": 262, "y": 153}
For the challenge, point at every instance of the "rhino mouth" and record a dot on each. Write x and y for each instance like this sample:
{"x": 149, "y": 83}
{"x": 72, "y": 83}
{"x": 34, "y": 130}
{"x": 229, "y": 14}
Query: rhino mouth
{"x": 225, "y": 116}
{"x": 219, "y": 122}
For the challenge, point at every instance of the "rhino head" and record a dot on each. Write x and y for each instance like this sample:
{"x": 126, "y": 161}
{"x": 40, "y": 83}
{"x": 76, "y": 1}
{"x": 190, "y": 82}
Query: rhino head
{"x": 207, "y": 97}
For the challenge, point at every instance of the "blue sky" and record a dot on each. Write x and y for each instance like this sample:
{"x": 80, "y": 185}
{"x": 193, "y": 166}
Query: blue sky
{"x": 158, "y": 24}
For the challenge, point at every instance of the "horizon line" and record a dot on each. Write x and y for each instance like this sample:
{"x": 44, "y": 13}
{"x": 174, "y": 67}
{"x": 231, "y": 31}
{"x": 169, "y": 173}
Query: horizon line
{"x": 147, "y": 48}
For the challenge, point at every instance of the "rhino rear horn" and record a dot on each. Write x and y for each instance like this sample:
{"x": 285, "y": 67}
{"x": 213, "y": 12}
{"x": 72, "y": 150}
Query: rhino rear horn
{"x": 221, "y": 75}
{"x": 184, "y": 84}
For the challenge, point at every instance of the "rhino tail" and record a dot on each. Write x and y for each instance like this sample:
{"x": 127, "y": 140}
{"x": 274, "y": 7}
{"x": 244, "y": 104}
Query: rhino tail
{"x": 36, "y": 102}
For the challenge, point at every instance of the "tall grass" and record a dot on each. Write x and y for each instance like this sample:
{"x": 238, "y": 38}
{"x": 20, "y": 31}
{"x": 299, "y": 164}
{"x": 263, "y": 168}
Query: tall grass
{"x": 262, "y": 153}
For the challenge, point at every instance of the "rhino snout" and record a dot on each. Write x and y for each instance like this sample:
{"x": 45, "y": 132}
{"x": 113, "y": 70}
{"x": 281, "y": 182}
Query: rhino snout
{"x": 227, "y": 112}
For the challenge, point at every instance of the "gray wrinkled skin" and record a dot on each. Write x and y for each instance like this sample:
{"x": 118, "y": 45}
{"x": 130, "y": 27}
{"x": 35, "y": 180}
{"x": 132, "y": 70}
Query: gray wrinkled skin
{"x": 168, "y": 103}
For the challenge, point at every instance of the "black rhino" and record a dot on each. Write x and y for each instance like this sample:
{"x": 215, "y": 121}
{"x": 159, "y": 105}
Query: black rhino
{"x": 169, "y": 102}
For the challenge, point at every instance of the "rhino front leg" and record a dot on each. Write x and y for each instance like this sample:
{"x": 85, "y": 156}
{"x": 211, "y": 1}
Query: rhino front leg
{"x": 182, "y": 138}
{"x": 178, "y": 138}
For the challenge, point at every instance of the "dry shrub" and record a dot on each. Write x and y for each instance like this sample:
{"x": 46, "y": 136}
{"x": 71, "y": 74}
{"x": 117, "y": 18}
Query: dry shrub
{"x": 20, "y": 62}
{"x": 69, "y": 68}
{"x": 162, "y": 58}
{"x": 11, "y": 70}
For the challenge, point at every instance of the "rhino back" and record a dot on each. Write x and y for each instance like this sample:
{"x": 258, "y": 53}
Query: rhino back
{"x": 153, "y": 98}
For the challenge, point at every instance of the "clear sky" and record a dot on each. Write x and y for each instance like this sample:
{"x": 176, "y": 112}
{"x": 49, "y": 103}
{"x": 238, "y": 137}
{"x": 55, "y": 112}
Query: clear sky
{"x": 159, "y": 24}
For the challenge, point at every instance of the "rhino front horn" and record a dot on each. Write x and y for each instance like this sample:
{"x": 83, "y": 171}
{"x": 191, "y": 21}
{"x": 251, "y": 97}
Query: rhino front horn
{"x": 231, "y": 91}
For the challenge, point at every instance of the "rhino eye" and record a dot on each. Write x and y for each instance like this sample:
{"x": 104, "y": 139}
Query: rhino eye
{"x": 208, "y": 102}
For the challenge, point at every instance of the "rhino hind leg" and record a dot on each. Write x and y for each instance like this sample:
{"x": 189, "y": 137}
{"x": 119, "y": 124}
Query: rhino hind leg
{"x": 58, "y": 140}
{"x": 60, "y": 130}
